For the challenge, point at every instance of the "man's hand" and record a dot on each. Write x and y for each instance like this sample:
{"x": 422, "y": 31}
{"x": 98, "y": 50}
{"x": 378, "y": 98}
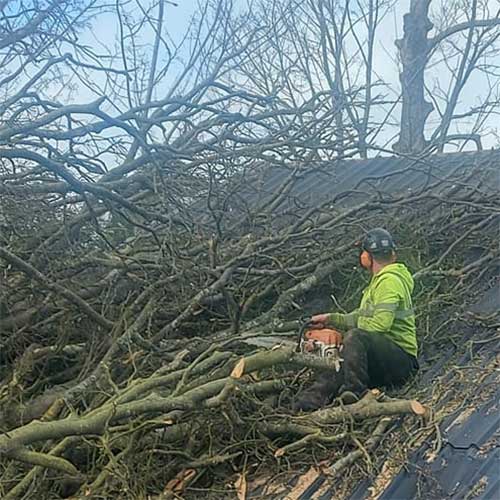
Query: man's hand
{"x": 319, "y": 320}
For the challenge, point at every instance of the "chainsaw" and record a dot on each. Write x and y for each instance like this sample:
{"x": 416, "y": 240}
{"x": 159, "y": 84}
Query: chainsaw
{"x": 325, "y": 343}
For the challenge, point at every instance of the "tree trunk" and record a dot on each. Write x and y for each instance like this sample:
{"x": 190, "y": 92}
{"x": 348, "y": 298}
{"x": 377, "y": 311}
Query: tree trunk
{"x": 413, "y": 50}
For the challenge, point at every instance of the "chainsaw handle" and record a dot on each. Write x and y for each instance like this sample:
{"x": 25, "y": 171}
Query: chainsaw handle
{"x": 305, "y": 325}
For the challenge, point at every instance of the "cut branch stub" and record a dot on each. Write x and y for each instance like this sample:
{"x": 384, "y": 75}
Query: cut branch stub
{"x": 239, "y": 369}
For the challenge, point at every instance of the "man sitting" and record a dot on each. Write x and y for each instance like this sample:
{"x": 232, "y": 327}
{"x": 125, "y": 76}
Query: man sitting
{"x": 380, "y": 346}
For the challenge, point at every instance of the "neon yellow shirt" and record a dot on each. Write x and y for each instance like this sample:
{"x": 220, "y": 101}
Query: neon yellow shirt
{"x": 386, "y": 308}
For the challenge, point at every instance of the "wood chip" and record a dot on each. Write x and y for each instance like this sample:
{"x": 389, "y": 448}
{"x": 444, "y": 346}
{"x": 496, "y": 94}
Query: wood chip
{"x": 179, "y": 483}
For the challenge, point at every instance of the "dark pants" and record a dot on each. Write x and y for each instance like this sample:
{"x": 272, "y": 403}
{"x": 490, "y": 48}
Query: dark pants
{"x": 370, "y": 360}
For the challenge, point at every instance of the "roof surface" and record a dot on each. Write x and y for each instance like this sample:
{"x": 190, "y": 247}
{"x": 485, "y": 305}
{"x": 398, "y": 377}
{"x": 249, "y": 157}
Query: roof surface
{"x": 383, "y": 175}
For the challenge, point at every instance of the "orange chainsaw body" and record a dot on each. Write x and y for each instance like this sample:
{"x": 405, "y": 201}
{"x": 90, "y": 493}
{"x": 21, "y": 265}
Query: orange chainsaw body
{"x": 325, "y": 343}
{"x": 327, "y": 336}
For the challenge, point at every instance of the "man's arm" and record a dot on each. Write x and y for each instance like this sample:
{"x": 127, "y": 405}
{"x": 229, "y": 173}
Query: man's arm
{"x": 343, "y": 321}
{"x": 337, "y": 320}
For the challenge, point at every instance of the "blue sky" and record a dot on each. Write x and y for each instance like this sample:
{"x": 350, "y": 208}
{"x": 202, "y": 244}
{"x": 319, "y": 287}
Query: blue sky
{"x": 385, "y": 62}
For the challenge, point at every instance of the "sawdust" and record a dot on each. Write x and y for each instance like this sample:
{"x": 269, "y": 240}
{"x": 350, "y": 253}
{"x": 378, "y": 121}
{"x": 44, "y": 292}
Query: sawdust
{"x": 478, "y": 488}
{"x": 327, "y": 484}
{"x": 389, "y": 471}
{"x": 461, "y": 418}
{"x": 486, "y": 448}
{"x": 267, "y": 486}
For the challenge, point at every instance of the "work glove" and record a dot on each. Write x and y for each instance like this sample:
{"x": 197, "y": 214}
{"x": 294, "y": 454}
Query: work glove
{"x": 319, "y": 321}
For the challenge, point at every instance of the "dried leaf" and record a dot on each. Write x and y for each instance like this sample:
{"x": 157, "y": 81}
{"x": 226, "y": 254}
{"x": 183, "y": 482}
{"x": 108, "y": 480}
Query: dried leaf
{"x": 179, "y": 483}
{"x": 239, "y": 369}
{"x": 279, "y": 452}
{"x": 241, "y": 487}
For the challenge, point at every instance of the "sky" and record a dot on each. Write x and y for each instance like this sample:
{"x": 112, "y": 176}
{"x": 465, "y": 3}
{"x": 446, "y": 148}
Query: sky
{"x": 385, "y": 63}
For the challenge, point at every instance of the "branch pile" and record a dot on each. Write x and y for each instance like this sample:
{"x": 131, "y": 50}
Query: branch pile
{"x": 133, "y": 370}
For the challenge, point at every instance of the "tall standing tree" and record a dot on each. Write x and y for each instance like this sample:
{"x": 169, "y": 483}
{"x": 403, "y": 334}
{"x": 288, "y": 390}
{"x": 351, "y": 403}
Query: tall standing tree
{"x": 473, "y": 37}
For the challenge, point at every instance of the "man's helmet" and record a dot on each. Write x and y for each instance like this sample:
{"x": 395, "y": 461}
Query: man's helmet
{"x": 379, "y": 242}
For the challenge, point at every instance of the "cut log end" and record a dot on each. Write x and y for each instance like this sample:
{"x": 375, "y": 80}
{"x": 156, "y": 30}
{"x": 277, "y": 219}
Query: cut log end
{"x": 418, "y": 408}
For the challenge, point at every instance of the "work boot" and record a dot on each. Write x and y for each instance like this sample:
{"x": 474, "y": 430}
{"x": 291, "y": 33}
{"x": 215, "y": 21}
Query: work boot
{"x": 348, "y": 398}
{"x": 309, "y": 402}
{"x": 318, "y": 395}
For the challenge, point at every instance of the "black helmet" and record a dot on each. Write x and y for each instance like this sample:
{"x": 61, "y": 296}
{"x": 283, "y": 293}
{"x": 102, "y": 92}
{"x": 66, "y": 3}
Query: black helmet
{"x": 378, "y": 241}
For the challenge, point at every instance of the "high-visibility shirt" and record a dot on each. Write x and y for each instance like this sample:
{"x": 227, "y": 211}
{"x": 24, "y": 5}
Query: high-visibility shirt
{"x": 386, "y": 308}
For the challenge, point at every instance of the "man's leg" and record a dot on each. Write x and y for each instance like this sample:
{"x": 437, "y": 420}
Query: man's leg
{"x": 320, "y": 393}
{"x": 372, "y": 360}
{"x": 355, "y": 365}
{"x": 388, "y": 364}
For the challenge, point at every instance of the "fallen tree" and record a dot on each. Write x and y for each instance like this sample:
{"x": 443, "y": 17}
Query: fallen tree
{"x": 135, "y": 297}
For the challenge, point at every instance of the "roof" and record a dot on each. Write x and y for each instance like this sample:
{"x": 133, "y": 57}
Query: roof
{"x": 467, "y": 464}
{"x": 383, "y": 175}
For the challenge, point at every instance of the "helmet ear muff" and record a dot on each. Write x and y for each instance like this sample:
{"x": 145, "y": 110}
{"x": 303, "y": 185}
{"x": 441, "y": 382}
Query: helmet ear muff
{"x": 365, "y": 259}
